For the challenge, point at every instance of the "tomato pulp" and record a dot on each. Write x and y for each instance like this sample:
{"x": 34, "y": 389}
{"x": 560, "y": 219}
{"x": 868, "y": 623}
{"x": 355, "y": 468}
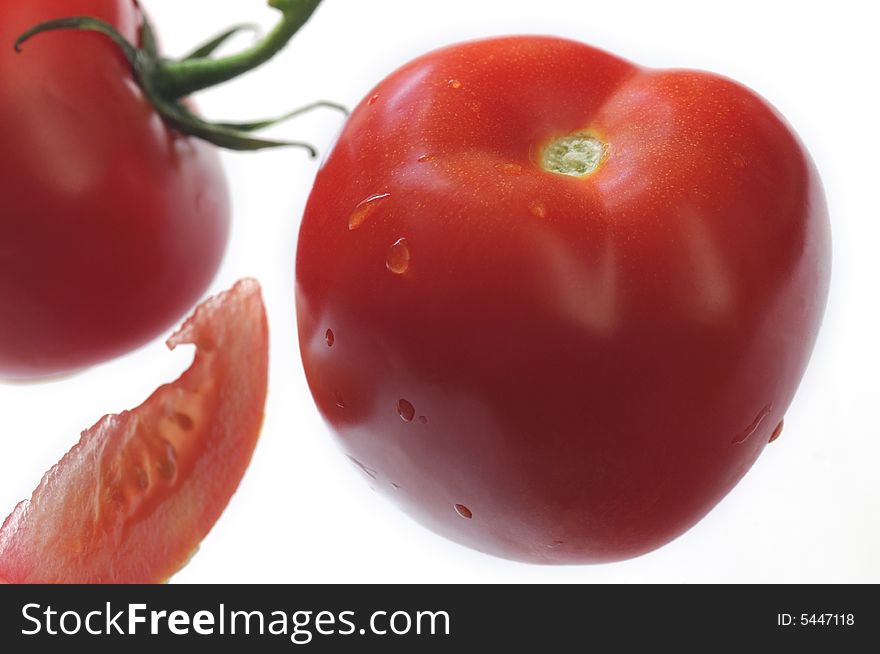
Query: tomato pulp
{"x": 133, "y": 499}
{"x": 556, "y": 304}
{"x": 112, "y": 224}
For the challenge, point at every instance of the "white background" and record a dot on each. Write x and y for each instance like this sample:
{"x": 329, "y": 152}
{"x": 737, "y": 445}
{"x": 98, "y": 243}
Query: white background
{"x": 809, "y": 510}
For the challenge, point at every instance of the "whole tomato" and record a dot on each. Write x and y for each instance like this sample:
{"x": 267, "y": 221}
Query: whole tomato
{"x": 556, "y": 304}
{"x": 112, "y": 223}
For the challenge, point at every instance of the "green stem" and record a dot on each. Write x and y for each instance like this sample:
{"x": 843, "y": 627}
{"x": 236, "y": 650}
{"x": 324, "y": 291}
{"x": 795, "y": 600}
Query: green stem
{"x": 86, "y": 23}
{"x": 211, "y": 46}
{"x": 179, "y": 79}
{"x": 165, "y": 82}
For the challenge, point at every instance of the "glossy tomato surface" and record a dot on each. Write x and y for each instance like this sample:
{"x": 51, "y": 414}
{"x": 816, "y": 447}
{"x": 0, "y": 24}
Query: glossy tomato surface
{"x": 112, "y": 225}
{"x": 555, "y": 367}
{"x": 131, "y": 502}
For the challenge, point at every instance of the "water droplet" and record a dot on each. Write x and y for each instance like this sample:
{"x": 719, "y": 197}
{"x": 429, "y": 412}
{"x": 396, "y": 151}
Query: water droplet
{"x": 395, "y": 486}
{"x": 369, "y": 472}
{"x": 463, "y": 511}
{"x": 184, "y": 421}
{"x": 365, "y": 209}
{"x": 555, "y": 544}
{"x": 373, "y": 99}
{"x": 330, "y": 337}
{"x": 753, "y": 427}
{"x": 398, "y": 257}
{"x": 423, "y": 420}
{"x": 454, "y": 84}
{"x": 167, "y": 465}
{"x": 538, "y": 209}
{"x": 339, "y": 401}
{"x": 777, "y": 432}
{"x": 512, "y": 169}
{"x": 426, "y": 157}
{"x": 405, "y": 410}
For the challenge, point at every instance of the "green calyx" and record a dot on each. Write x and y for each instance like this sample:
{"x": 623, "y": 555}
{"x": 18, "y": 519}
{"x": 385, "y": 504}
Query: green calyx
{"x": 576, "y": 155}
{"x": 166, "y": 82}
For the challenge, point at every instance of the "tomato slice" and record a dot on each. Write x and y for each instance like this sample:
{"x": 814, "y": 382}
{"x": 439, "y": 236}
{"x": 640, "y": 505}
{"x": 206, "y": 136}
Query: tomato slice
{"x": 133, "y": 499}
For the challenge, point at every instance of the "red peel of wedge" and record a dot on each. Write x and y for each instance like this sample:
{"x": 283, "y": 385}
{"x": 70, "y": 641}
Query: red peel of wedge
{"x": 131, "y": 502}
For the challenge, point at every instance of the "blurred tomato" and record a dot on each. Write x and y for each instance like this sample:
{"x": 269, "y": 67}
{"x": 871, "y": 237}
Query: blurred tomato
{"x": 112, "y": 224}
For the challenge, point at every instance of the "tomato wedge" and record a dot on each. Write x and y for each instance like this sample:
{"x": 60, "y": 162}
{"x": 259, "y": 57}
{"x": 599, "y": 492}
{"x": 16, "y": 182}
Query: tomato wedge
{"x": 133, "y": 499}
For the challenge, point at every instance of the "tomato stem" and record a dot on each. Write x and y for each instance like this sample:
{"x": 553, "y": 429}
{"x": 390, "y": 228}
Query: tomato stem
{"x": 80, "y": 23}
{"x": 178, "y": 79}
{"x": 207, "y": 49}
{"x": 166, "y": 82}
{"x": 576, "y": 155}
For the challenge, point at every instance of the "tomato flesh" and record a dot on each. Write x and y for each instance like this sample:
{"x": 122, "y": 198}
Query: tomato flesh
{"x": 554, "y": 367}
{"x": 112, "y": 224}
{"x": 133, "y": 499}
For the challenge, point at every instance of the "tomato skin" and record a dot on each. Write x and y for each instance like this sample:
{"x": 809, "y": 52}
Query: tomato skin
{"x": 131, "y": 502}
{"x": 112, "y": 224}
{"x": 588, "y": 364}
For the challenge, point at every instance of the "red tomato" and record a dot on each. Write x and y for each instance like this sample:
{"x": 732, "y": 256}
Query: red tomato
{"x": 112, "y": 224}
{"x": 555, "y": 304}
{"x": 131, "y": 502}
